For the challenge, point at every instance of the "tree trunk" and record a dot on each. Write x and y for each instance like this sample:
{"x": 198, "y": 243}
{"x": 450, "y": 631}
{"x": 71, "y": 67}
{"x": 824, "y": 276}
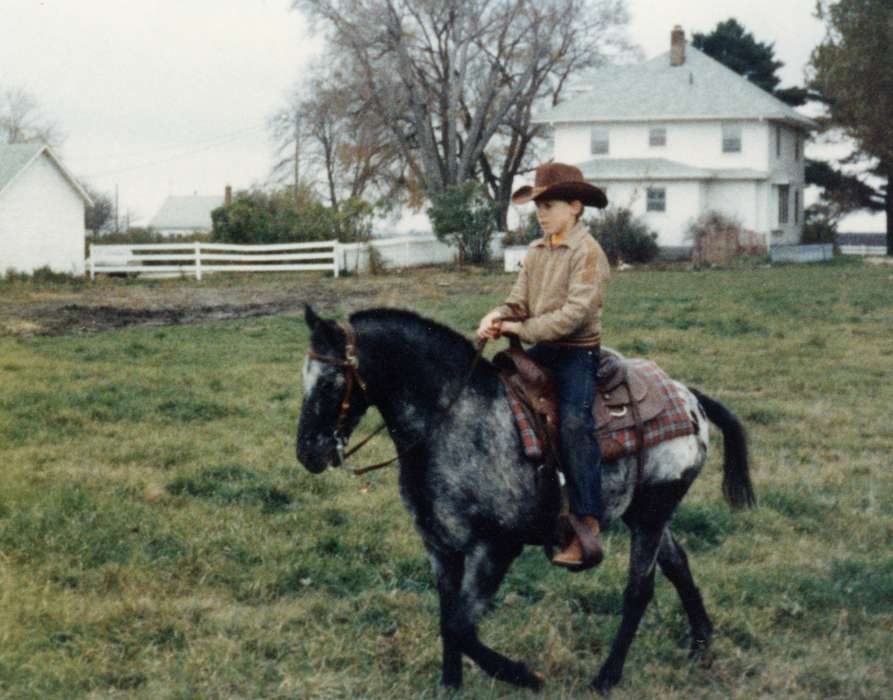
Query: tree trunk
{"x": 502, "y": 213}
{"x": 888, "y": 202}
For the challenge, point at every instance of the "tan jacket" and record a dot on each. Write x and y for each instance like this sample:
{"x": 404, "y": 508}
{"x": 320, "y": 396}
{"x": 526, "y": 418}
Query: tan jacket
{"x": 561, "y": 289}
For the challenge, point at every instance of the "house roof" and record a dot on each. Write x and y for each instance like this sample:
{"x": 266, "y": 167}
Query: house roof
{"x": 15, "y": 159}
{"x": 701, "y": 88}
{"x": 601, "y": 169}
{"x": 192, "y": 211}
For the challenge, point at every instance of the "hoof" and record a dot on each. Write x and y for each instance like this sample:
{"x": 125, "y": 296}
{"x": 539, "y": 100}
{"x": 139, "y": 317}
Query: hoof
{"x": 699, "y": 648}
{"x": 539, "y": 680}
{"x": 604, "y": 683}
{"x": 523, "y": 677}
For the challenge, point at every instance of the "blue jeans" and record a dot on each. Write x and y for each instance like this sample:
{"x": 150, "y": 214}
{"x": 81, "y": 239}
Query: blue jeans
{"x": 575, "y": 370}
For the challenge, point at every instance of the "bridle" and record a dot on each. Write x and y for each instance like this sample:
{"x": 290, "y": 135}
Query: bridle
{"x": 350, "y": 364}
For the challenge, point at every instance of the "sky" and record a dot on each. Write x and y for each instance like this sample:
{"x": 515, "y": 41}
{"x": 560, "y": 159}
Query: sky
{"x": 172, "y": 97}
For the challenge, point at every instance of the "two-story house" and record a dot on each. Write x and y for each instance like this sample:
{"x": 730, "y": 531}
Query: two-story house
{"x": 682, "y": 134}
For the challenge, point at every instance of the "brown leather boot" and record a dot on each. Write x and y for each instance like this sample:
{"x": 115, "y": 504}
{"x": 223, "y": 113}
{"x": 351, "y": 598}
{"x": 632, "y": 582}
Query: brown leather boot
{"x": 574, "y": 555}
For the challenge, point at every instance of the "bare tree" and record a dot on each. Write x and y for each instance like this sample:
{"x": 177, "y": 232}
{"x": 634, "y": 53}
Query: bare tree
{"x": 98, "y": 216}
{"x": 21, "y": 120}
{"x": 325, "y": 133}
{"x": 455, "y": 82}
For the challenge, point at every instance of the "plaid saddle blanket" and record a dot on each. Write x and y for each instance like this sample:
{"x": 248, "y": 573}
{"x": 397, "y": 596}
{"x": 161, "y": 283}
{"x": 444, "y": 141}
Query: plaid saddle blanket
{"x": 673, "y": 420}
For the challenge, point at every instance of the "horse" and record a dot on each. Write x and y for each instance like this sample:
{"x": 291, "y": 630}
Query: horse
{"x": 472, "y": 492}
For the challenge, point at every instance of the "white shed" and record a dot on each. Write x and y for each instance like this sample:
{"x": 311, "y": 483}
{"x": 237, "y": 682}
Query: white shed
{"x": 41, "y": 212}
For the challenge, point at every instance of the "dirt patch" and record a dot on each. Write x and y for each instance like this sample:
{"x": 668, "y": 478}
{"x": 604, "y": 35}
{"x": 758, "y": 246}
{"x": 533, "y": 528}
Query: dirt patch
{"x": 112, "y": 304}
{"x": 74, "y": 318}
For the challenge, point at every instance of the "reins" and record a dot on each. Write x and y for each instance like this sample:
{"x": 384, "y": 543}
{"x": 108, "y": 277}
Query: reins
{"x": 351, "y": 364}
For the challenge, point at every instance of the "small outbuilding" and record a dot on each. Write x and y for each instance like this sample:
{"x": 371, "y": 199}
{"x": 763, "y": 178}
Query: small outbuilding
{"x": 42, "y": 210}
{"x": 186, "y": 216}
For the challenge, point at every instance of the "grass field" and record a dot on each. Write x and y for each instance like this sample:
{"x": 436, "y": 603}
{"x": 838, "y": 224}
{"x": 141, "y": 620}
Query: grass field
{"x": 158, "y": 539}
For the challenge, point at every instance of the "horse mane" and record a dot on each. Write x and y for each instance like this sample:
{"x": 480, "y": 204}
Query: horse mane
{"x": 414, "y": 342}
{"x": 412, "y": 323}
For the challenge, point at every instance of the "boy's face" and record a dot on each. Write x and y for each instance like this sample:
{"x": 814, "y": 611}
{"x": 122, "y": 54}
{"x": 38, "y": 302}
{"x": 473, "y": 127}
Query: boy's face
{"x": 556, "y": 216}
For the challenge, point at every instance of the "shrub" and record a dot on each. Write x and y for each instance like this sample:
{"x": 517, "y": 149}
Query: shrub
{"x": 624, "y": 236}
{"x": 525, "y": 234}
{"x": 465, "y": 216}
{"x": 282, "y": 217}
{"x": 819, "y": 224}
{"x": 717, "y": 238}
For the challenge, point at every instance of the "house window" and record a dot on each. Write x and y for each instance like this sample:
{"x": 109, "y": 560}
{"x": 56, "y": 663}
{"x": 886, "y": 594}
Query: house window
{"x": 657, "y": 199}
{"x": 731, "y": 138}
{"x": 657, "y": 136}
{"x": 796, "y": 206}
{"x": 778, "y": 140}
{"x": 784, "y": 192}
{"x": 598, "y": 140}
{"x": 797, "y": 145}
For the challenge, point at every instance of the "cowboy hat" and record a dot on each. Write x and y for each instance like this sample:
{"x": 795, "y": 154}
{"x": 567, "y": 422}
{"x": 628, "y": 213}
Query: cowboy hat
{"x": 560, "y": 181}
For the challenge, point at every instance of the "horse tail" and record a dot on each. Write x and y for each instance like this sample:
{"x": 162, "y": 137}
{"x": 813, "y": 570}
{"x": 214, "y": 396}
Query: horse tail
{"x": 736, "y": 485}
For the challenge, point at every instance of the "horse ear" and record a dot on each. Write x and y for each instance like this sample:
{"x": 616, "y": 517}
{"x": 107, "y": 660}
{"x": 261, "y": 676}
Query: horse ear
{"x": 310, "y": 317}
{"x": 325, "y": 331}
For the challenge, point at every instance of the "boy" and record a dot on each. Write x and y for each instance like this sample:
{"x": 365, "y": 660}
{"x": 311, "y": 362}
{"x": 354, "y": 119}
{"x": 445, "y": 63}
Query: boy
{"x": 560, "y": 290}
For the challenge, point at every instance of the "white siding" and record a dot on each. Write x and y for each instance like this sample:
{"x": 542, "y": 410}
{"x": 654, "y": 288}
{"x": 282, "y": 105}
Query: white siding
{"x": 737, "y": 199}
{"x": 684, "y": 201}
{"x": 41, "y": 222}
{"x": 698, "y": 144}
{"x": 788, "y": 170}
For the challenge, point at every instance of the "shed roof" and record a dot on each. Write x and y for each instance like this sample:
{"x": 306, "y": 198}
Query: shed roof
{"x": 701, "y": 88}
{"x": 193, "y": 211}
{"x": 16, "y": 157}
{"x": 600, "y": 169}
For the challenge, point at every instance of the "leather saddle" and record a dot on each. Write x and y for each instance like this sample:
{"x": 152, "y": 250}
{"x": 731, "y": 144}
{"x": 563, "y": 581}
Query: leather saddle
{"x": 624, "y": 398}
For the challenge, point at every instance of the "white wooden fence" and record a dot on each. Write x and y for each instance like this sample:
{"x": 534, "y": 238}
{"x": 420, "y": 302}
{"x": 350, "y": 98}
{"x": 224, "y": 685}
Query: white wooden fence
{"x": 196, "y": 258}
{"x": 864, "y": 250}
{"x": 813, "y": 252}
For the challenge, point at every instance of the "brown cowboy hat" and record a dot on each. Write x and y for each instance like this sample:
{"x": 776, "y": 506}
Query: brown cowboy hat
{"x": 564, "y": 182}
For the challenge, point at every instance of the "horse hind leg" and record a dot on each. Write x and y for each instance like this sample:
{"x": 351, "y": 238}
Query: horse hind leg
{"x": 674, "y": 564}
{"x": 485, "y": 568}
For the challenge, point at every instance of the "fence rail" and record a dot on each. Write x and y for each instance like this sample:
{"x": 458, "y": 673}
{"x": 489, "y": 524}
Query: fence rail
{"x": 198, "y": 258}
{"x": 863, "y": 250}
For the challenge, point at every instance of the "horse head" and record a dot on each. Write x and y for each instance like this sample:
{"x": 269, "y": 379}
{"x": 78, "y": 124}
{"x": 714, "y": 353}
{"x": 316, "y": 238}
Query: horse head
{"x": 334, "y": 393}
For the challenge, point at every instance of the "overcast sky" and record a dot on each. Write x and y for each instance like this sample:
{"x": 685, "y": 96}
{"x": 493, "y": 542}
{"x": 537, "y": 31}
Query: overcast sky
{"x": 167, "y": 97}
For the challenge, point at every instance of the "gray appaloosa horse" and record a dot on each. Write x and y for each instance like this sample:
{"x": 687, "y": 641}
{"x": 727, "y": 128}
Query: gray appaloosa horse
{"x": 472, "y": 492}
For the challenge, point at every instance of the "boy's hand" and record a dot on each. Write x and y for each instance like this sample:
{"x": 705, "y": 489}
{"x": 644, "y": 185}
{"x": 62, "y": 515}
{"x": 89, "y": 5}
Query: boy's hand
{"x": 490, "y": 326}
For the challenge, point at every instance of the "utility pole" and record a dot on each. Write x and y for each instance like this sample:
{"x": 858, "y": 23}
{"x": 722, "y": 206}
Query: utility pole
{"x": 297, "y": 153}
{"x": 117, "y": 229}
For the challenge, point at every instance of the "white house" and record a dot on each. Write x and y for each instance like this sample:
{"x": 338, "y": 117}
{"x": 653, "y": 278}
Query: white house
{"x": 682, "y": 134}
{"x": 41, "y": 212}
{"x": 184, "y": 216}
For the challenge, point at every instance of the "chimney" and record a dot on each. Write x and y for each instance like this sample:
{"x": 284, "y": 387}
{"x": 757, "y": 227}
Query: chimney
{"x": 677, "y": 46}
{"x": 227, "y": 196}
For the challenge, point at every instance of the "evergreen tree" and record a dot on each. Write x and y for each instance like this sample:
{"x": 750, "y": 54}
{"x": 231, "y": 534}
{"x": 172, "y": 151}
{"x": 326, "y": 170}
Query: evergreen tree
{"x": 733, "y": 46}
{"x": 853, "y": 68}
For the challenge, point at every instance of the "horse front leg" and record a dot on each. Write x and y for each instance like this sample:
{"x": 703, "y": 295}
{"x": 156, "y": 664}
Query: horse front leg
{"x": 638, "y": 593}
{"x": 485, "y": 567}
{"x": 449, "y": 568}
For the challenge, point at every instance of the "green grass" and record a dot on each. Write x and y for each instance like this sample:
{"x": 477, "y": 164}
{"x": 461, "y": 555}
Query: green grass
{"x": 158, "y": 539}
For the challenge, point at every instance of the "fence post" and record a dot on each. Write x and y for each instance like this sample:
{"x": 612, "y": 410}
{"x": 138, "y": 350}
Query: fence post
{"x": 92, "y": 263}
{"x": 336, "y": 257}
{"x": 198, "y": 261}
